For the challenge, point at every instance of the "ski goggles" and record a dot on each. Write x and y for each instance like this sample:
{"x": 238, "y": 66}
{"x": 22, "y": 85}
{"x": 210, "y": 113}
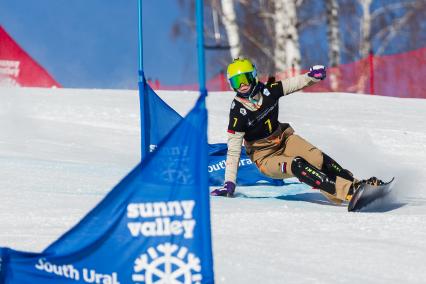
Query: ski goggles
{"x": 244, "y": 78}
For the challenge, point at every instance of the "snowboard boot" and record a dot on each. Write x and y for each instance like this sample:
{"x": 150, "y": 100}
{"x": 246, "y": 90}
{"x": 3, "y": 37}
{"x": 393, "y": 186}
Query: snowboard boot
{"x": 358, "y": 183}
{"x": 332, "y": 168}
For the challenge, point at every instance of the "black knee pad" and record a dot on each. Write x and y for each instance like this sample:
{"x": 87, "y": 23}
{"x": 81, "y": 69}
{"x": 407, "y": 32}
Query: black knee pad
{"x": 297, "y": 165}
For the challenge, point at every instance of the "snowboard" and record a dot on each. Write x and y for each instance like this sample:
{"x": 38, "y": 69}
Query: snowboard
{"x": 368, "y": 193}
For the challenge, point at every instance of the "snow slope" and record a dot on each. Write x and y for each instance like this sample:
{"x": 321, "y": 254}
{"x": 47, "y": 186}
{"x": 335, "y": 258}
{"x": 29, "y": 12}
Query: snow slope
{"x": 62, "y": 150}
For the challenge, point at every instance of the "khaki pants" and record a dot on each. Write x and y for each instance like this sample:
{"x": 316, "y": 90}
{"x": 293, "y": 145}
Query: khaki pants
{"x": 274, "y": 155}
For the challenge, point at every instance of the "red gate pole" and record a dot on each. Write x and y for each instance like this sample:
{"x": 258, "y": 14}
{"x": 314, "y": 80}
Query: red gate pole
{"x": 371, "y": 61}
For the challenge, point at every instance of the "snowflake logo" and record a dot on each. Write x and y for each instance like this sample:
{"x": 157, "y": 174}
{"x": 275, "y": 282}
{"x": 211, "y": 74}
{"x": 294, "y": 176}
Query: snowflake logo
{"x": 178, "y": 176}
{"x": 167, "y": 268}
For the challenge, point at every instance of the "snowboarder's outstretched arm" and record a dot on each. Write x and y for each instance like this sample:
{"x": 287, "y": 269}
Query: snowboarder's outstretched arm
{"x": 235, "y": 140}
{"x": 296, "y": 83}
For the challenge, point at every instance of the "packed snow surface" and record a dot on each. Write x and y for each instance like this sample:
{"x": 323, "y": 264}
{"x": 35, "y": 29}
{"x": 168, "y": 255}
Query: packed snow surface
{"x": 62, "y": 150}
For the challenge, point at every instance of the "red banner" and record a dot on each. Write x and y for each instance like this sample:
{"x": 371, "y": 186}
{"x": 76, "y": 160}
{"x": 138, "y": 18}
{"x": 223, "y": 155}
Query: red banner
{"x": 17, "y": 68}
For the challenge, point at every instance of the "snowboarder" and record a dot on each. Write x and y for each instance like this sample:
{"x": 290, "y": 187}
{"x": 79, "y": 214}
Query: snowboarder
{"x": 273, "y": 146}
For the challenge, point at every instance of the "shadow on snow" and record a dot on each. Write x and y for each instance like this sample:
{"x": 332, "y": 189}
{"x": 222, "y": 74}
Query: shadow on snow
{"x": 379, "y": 206}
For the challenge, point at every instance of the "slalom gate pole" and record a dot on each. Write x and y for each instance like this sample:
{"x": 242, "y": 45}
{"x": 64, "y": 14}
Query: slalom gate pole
{"x": 143, "y": 98}
{"x": 200, "y": 47}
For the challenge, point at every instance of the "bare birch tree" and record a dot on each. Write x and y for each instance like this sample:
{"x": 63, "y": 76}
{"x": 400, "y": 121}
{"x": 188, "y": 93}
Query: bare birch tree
{"x": 287, "y": 48}
{"x": 365, "y": 43}
{"x": 333, "y": 36}
{"x": 230, "y": 23}
{"x": 365, "y": 36}
{"x": 280, "y": 53}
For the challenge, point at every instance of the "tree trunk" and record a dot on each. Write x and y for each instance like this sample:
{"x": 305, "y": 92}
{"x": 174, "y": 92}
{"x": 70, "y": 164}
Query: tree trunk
{"x": 365, "y": 45}
{"x": 333, "y": 35}
{"x": 365, "y": 28}
{"x": 280, "y": 37}
{"x": 287, "y": 49}
{"x": 292, "y": 46}
{"x": 231, "y": 27}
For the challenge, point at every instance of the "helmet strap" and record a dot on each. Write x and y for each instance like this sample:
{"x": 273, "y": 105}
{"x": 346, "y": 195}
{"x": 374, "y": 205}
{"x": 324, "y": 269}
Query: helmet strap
{"x": 253, "y": 93}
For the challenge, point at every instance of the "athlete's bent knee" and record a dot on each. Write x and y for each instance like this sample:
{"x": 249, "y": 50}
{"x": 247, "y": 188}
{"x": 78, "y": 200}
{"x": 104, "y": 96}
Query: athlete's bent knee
{"x": 316, "y": 158}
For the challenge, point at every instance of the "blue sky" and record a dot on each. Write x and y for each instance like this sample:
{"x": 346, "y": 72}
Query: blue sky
{"x": 94, "y": 44}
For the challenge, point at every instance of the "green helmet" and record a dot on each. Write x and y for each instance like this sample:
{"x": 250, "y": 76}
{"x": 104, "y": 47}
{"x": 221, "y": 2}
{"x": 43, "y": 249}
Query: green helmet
{"x": 241, "y": 71}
